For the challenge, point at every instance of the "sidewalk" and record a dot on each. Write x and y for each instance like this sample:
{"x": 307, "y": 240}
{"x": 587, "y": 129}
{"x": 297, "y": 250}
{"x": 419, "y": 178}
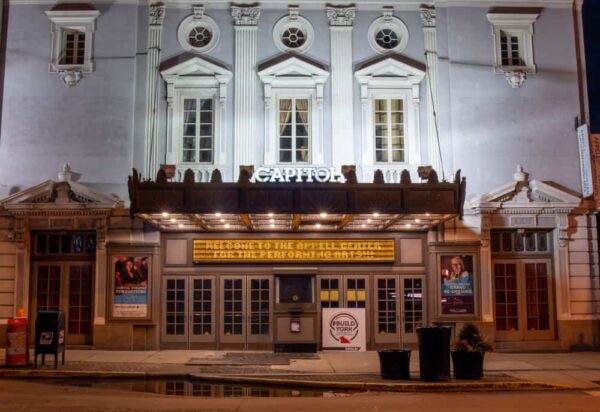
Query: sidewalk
{"x": 358, "y": 370}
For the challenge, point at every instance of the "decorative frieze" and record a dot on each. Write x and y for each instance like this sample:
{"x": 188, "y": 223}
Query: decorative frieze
{"x": 245, "y": 15}
{"x": 341, "y": 15}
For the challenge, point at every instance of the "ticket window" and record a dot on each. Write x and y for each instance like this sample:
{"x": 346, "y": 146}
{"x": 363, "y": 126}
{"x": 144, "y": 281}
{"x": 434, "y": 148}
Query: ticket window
{"x": 295, "y": 292}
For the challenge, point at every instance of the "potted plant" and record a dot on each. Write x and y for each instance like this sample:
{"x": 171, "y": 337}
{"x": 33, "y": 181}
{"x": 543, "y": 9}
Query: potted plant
{"x": 468, "y": 353}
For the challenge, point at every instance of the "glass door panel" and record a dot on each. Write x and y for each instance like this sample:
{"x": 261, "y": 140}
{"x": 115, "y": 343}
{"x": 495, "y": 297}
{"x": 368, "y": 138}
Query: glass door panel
{"x": 233, "y": 310}
{"x": 412, "y": 308}
{"x": 356, "y": 292}
{"x": 538, "y": 303}
{"x": 47, "y": 287}
{"x": 386, "y": 314}
{"x": 79, "y": 314}
{"x": 174, "y": 310}
{"x": 202, "y": 309}
{"x": 259, "y": 302}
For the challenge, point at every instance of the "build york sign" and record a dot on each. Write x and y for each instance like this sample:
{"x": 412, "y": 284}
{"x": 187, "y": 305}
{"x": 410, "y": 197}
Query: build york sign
{"x": 297, "y": 174}
{"x": 344, "y": 329}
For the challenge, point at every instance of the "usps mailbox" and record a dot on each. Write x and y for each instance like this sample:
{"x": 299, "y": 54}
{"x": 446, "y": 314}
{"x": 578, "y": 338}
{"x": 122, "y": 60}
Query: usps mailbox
{"x": 50, "y": 335}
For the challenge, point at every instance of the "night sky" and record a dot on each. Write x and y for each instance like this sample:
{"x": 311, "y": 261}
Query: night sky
{"x": 591, "y": 29}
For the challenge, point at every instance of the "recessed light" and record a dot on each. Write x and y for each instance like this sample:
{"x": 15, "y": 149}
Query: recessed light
{"x": 323, "y": 214}
{"x": 408, "y": 225}
{"x": 417, "y": 220}
{"x": 427, "y": 214}
{"x": 164, "y": 214}
{"x": 368, "y": 220}
{"x": 226, "y": 225}
{"x": 318, "y": 225}
{"x": 375, "y": 214}
{"x": 180, "y": 225}
{"x": 272, "y": 220}
{"x": 222, "y": 220}
{"x": 363, "y": 225}
{"x": 218, "y": 214}
{"x": 272, "y": 225}
{"x": 270, "y": 214}
{"x": 173, "y": 220}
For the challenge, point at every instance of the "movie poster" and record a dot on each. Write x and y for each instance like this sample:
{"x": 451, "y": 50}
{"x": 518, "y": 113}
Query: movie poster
{"x": 130, "y": 298}
{"x": 457, "y": 285}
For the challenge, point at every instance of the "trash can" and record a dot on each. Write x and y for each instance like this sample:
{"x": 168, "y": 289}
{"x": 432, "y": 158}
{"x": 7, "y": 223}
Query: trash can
{"x": 394, "y": 363}
{"x": 434, "y": 353}
{"x": 50, "y": 335}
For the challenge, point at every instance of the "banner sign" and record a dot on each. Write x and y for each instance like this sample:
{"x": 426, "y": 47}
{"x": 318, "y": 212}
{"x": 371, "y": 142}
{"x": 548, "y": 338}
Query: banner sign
{"x": 344, "y": 329}
{"x": 585, "y": 162}
{"x": 457, "y": 285}
{"x": 130, "y": 297}
{"x": 297, "y": 250}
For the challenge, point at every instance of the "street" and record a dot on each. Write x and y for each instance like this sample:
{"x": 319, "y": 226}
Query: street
{"x": 21, "y": 395}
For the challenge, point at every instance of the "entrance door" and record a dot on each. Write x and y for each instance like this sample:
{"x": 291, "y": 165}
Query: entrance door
{"x": 189, "y": 311}
{"x": 246, "y": 311}
{"x": 524, "y": 307}
{"x": 398, "y": 310}
{"x": 66, "y": 286}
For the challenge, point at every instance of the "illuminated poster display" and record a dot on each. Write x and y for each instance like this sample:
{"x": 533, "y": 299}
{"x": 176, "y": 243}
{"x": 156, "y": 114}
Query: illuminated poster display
{"x": 130, "y": 296}
{"x": 457, "y": 285}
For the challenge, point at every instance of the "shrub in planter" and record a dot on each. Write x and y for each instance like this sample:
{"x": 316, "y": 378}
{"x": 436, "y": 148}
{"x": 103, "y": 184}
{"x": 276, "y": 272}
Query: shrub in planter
{"x": 468, "y": 353}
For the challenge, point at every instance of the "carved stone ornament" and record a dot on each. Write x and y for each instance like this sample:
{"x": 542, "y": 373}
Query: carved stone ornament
{"x": 294, "y": 12}
{"x": 428, "y": 16}
{"x": 70, "y": 77}
{"x": 198, "y": 12}
{"x": 157, "y": 14}
{"x": 245, "y": 16}
{"x": 515, "y": 78}
{"x": 341, "y": 16}
{"x": 388, "y": 13}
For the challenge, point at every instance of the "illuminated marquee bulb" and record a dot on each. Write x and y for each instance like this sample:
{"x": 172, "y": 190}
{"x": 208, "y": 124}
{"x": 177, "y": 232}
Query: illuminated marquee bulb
{"x": 164, "y": 214}
{"x": 323, "y": 214}
{"x": 318, "y": 225}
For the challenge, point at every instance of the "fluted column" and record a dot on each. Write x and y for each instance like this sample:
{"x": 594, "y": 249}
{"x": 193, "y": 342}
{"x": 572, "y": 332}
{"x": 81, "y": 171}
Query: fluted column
{"x": 342, "y": 114}
{"x": 246, "y": 85}
{"x": 428, "y": 16}
{"x": 157, "y": 14}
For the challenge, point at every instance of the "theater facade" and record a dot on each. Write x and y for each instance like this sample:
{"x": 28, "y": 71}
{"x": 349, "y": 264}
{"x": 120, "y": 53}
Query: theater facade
{"x": 176, "y": 175}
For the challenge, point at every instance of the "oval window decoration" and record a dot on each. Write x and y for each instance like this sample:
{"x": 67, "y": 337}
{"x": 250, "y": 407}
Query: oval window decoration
{"x": 198, "y": 33}
{"x": 388, "y": 34}
{"x": 293, "y": 33}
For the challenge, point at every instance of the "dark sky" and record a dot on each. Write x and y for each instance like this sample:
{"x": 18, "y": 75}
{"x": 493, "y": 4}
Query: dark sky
{"x": 591, "y": 30}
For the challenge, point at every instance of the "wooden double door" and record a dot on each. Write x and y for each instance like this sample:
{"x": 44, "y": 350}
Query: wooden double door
{"x": 66, "y": 286}
{"x": 227, "y": 311}
{"x": 524, "y": 304}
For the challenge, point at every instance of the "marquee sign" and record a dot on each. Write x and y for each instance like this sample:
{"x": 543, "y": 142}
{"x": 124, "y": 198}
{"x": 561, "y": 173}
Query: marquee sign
{"x": 294, "y": 250}
{"x": 297, "y": 174}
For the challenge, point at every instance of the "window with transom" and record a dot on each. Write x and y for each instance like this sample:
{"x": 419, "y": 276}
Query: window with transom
{"x": 389, "y": 130}
{"x": 198, "y": 130}
{"x": 294, "y": 126}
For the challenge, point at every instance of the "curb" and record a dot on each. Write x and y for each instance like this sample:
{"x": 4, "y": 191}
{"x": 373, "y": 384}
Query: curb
{"x": 391, "y": 386}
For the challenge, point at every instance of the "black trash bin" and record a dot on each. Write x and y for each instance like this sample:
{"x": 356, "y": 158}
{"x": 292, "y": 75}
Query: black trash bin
{"x": 50, "y": 335}
{"x": 434, "y": 353}
{"x": 394, "y": 363}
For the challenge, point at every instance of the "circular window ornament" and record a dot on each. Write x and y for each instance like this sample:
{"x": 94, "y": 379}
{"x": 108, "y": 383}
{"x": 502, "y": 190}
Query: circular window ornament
{"x": 198, "y": 33}
{"x": 293, "y": 34}
{"x": 388, "y": 34}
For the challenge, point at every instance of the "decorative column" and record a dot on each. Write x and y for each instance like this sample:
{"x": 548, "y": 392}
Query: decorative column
{"x": 485, "y": 256}
{"x": 562, "y": 266}
{"x": 157, "y": 14}
{"x": 246, "y": 85}
{"x": 102, "y": 270}
{"x": 428, "y": 17}
{"x": 342, "y": 113}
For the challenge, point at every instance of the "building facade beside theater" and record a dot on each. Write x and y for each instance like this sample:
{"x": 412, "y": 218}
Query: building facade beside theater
{"x": 214, "y": 175}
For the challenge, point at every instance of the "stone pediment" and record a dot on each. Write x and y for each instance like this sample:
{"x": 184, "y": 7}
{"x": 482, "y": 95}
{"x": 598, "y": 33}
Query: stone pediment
{"x": 523, "y": 194}
{"x": 188, "y": 65}
{"x": 60, "y": 196}
{"x": 292, "y": 66}
{"x": 392, "y": 68}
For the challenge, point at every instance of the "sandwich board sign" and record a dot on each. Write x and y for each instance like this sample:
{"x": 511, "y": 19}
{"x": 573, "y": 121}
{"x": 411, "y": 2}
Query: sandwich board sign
{"x": 344, "y": 329}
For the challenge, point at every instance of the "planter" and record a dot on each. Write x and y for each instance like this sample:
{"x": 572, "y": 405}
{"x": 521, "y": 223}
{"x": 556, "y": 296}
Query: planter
{"x": 468, "y": 365}
{"x": 394, "y": 363}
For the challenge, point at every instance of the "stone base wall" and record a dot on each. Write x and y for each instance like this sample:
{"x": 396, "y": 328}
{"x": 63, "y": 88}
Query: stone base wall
{"x": 126, "y": 337}
{"x": 579, "y": 334}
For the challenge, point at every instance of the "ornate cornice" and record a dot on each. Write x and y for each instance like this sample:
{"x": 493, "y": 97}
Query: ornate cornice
{"x": 245, "y": 15}
{"x": 157, "y": 14}
{"x": 341, "y": 15}
{"x": 428, "y": 16}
